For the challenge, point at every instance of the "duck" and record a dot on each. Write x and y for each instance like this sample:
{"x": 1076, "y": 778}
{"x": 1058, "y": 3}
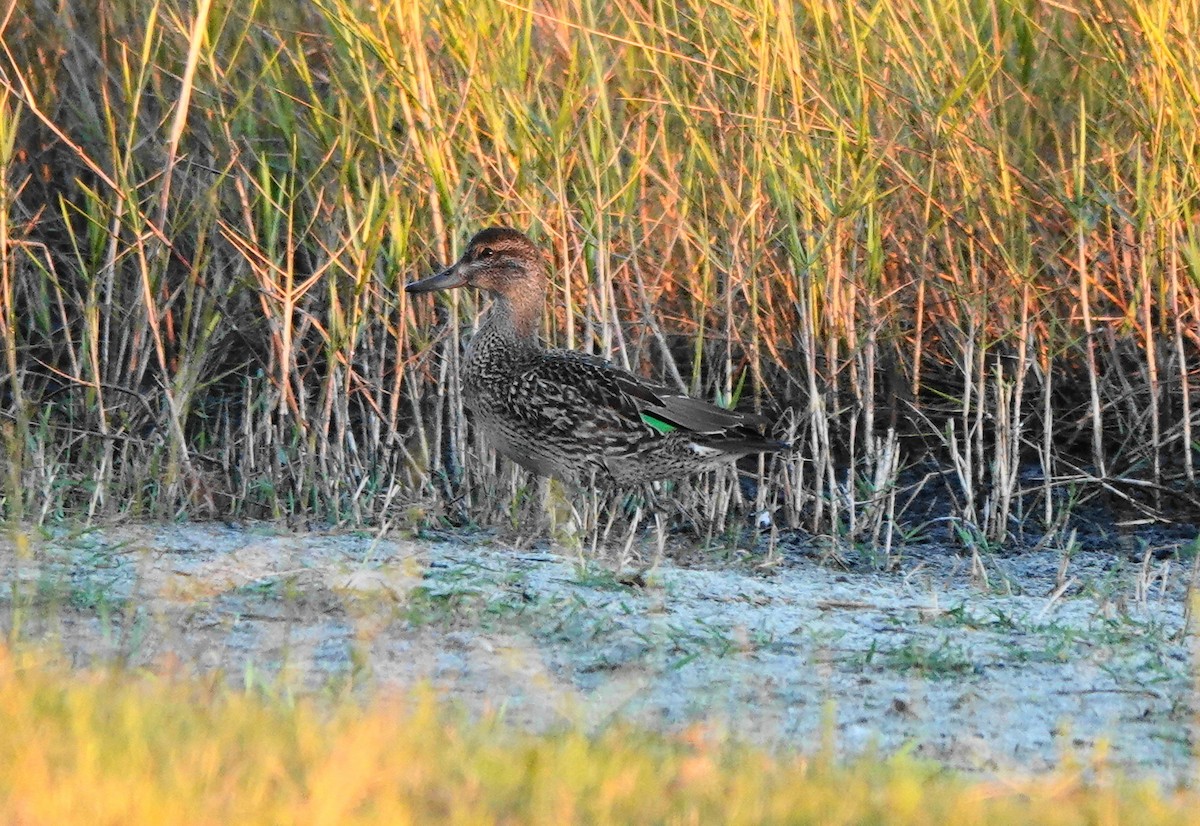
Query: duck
{"x": 568, "y": 414}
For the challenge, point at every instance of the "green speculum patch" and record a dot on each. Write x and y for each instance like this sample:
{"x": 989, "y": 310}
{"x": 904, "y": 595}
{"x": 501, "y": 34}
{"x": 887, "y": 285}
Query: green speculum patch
{"x": 658, "y": 424}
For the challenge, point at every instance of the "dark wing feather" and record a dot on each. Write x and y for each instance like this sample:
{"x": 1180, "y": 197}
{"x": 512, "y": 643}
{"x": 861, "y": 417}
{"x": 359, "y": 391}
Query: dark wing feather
{"x": 699, "y": 416}
{"x": 577, "y": 390}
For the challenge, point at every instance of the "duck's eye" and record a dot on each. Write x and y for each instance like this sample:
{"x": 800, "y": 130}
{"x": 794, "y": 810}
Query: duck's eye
{"x": 486, "y": 252}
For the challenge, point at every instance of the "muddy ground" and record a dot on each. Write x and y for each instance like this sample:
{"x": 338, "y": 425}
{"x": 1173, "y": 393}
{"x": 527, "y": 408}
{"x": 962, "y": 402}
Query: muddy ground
{"x": 995, "y": 664}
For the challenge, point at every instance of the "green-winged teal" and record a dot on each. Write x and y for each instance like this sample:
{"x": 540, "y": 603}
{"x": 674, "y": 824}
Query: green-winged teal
{"x": 568, "y": 414}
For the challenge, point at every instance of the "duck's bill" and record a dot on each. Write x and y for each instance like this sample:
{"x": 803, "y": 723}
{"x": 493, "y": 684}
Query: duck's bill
{"x": 447, "y": 279}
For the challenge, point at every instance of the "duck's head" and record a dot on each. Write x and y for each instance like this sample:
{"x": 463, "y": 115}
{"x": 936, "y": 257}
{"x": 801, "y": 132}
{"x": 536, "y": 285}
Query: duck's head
{"x": 499, "y": 260}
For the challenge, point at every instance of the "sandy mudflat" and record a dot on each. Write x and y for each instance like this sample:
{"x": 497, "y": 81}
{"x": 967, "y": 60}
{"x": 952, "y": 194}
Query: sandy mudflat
{"x": 996, "y": 676}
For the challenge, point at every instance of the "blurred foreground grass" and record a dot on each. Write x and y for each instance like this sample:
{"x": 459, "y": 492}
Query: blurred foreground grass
{"x": 118, "y": 747}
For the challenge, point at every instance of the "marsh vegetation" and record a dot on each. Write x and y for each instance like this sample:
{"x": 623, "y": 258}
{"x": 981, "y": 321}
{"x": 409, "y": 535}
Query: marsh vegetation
{"x": 949, "y": 249}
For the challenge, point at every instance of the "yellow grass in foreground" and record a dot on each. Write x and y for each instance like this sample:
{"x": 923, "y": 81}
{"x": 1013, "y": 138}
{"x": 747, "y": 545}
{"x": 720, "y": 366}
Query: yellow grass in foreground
{"x": 126, "y": 748}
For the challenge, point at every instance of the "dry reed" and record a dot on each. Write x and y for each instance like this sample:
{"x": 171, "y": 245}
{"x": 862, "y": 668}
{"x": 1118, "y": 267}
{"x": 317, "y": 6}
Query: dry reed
{"x": 951, "y": 247}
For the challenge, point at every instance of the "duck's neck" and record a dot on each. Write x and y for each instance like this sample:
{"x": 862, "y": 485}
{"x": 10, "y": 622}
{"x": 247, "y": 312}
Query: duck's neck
{"x": 514, "y": 322}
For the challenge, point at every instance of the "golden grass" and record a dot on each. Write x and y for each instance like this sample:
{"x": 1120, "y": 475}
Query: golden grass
{"x": 962, "y": 232}
{"x": 124, "y": 748}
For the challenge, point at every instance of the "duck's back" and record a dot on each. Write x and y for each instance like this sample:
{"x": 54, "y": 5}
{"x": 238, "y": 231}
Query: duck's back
{"x": 571, "y": 415}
